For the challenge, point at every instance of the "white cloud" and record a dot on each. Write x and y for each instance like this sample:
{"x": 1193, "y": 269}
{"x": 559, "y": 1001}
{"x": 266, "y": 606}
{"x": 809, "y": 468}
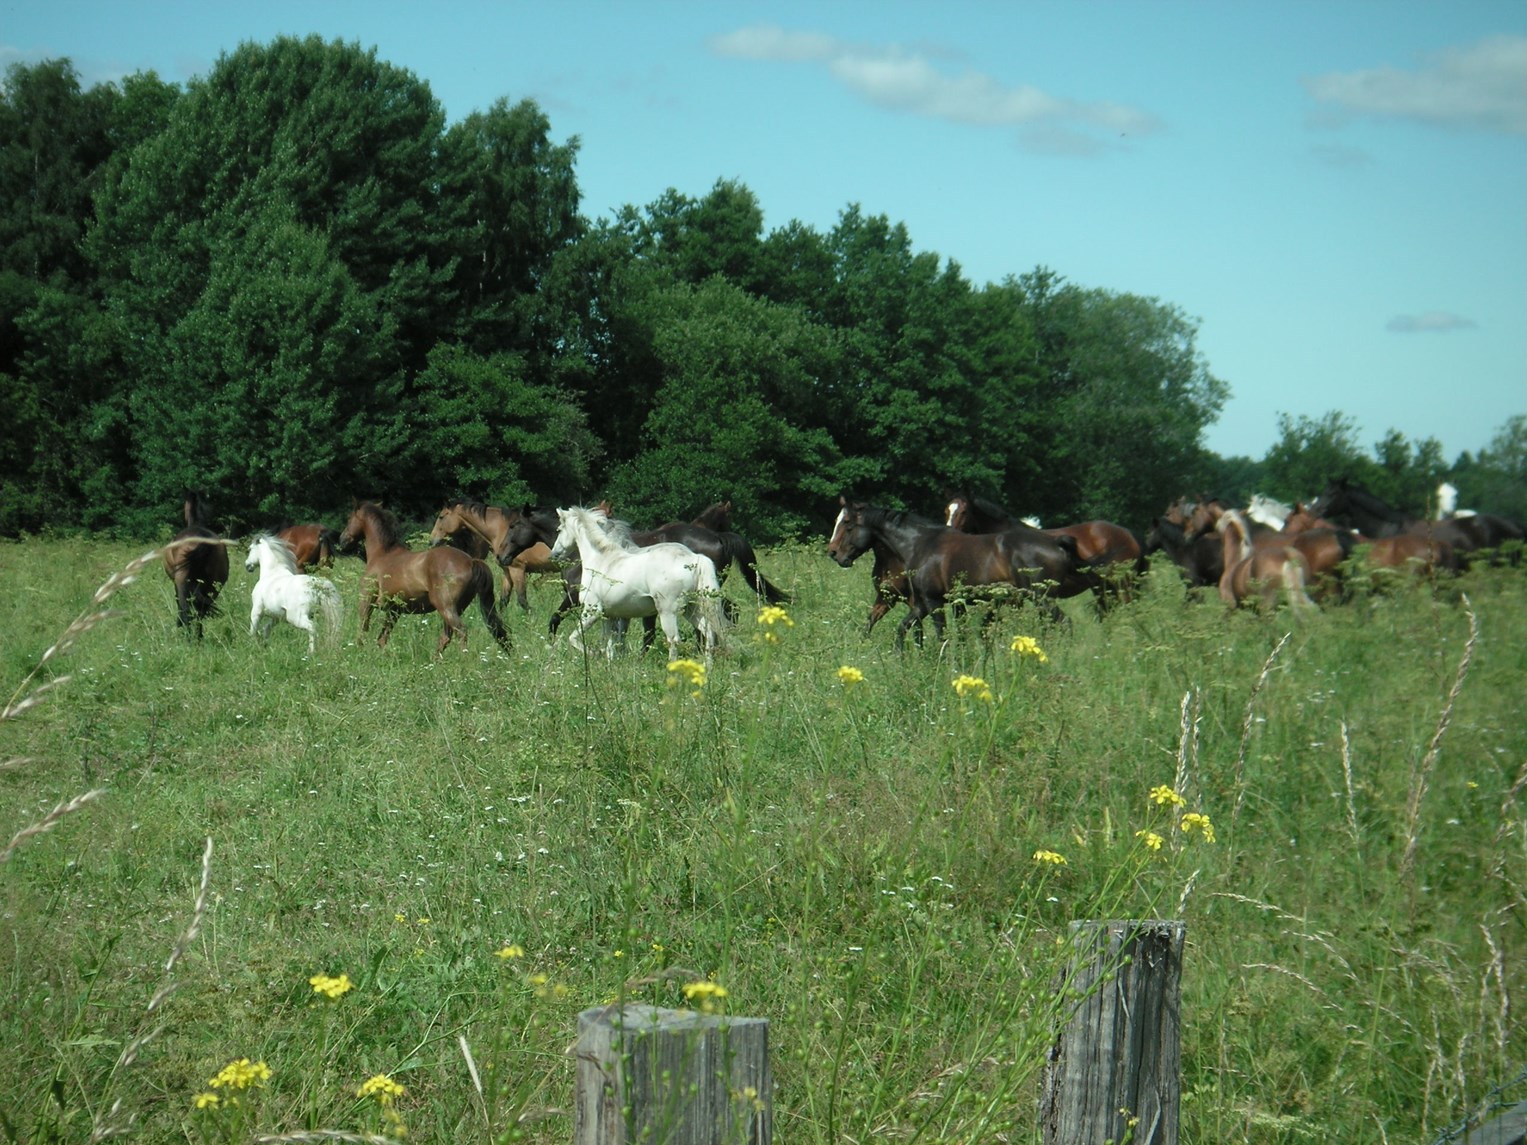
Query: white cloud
{"x": 1432, "y": 322}
{"x": 1481, "y": 86}
{"x": 897, "y": 79}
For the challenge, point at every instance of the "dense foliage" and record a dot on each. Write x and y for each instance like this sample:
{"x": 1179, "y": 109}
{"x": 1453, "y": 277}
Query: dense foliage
{"x": 292, "y": 283}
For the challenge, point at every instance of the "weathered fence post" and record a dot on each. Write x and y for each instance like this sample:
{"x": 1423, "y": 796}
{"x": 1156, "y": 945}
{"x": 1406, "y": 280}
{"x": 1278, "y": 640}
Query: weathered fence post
{"x": 1114, "y": 1069}
{"x": 672, "y": 1077}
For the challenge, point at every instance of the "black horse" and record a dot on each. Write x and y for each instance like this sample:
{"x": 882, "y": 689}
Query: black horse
{"x": 1374, "y": 517}
{"x": 197, "y": 562}
{"x": 940, "y": 560}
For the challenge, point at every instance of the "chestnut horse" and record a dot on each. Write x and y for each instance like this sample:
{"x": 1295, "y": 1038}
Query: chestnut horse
{"x": 1376, "y": 518}
{"x": 1261, "y": 569}
{"x": 397, "y": 579}
{"x": 196, "y": 560}
{"x": 478, "y": 530}
{"x": 1323, "y": 547}
{"x": 939, "y": 560}
{"x": 311, "y": 545}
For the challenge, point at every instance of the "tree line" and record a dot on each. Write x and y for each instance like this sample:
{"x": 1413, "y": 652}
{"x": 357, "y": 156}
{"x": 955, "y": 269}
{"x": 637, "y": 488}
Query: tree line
{"x": 291, "y": 283}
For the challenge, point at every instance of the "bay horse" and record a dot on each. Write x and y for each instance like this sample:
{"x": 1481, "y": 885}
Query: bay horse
{"x": 398, "y": 580}
{"x": 1374, "y": 517}
{"x": 1263, "y": 570}
{"x": 312, "y": 545}
{"x": 1424, "y": 554}
{"x": 196, "y": 561}
{"x": 939, "y": 560}
{"x": 888, "y": 576}
{"x": 622, "y": 580}
{"x": 284, "y": 592}
{"x": 1101, "y": 544}
{"x": 478, "y": 530}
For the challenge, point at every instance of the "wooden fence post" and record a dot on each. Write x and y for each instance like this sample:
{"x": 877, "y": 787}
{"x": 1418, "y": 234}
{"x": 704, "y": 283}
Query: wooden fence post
{"x": 650, "y": 1076}
{"x": 1115, "y": 1067}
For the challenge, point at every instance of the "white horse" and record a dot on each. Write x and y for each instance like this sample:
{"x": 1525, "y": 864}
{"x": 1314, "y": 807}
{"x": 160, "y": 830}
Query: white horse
{"x": 282, "y": 592}
{"x": 1447, "y": 503}
{"x": 1265, "y": 511}
{"x": 622, "y": 581}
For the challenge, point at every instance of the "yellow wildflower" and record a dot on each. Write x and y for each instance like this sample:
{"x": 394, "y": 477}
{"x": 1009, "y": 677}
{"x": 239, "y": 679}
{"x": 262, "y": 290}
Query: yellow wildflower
{"x": 1193, "y": 819}
{"x": 513, "y": 950}
{"x": 850, "y": 676}
{"x": 1150, "y": 839}
{"x": 707, "y": 994}
{"x": 241, "y": 1075}
{"x": 331, "y": 988}
{"x": 973, "y": 686}
{"x": 1028, "y": 646}
{"x": 1054, "y": 858}
{"x": 773, "y": 614}
{"x": 381, "y": 1087}
{"x": 691, "y": 670}
{"x": 1162, "y": 795}
{"x": 208, "y": 1101}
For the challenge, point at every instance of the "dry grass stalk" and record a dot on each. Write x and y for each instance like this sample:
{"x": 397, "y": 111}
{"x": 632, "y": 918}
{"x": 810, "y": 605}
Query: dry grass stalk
{"x": 1346, "y": 771}
{"x": 1191, "y": 716}
{"x": 1420, "y": 777}
{"x": 48, "y": 821}
{"x": 1496, "y": 969}
{"x": 110, "y": 1125}
{"x": 1251, "y": 701}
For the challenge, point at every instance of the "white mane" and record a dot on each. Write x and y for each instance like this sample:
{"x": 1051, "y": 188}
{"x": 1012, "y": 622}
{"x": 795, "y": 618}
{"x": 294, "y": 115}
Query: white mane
{"x": 1265, "y": 511}
{"x": 278, "y": 549}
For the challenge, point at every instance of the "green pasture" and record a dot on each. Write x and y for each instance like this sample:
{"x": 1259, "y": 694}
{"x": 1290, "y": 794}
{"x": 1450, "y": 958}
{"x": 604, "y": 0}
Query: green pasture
{"x": 486, "y": 844}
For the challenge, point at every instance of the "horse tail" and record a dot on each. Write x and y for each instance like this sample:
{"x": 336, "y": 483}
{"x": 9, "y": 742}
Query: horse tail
{"x": 328, "y": 545}
{"x": 1294, "y": 579}
{"x": 329, "y": 604}
{"x": 482, "y": 587}
{"x": 738, "y": 549}
{"x": 709, "y": 601}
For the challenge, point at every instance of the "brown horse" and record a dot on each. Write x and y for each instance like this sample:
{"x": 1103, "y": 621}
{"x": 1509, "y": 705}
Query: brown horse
{"x": 888, "y": 576}
{"x": 479, "y": 530}
{"x": 1423, "y": 554}
{"x": 1324, "y": 547}
{"x": 1101, "y": 544}
{"x": 940, "y": 560}
{"x": 196, "y": 560}
{"x": 397, "y": 579}
{"x": 717, "y": 518}
{"x": 1265, "y": 570}
{"x": 311, "y": 545}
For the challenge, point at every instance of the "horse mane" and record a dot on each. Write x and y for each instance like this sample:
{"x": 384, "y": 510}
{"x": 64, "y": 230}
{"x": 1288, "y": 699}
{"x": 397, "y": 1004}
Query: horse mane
{"x": 194, "y": 511}
{"x": 607, "y": 533}
{"x": 389, "y": 532}
{"x": 279, "y": 549}
{"x": 899, "y": 517}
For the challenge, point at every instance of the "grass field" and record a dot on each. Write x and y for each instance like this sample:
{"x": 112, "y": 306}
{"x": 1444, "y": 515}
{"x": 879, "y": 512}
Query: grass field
{"x": 885, "y": 869}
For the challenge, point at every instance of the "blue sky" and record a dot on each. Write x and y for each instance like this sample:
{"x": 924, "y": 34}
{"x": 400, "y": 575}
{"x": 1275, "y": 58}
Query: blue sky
{"x": 1337, "y": 190}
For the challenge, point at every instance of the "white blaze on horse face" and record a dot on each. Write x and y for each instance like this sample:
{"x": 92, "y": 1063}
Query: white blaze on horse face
{"x": 954, "y": 507}
{"x": 835, "y": 538}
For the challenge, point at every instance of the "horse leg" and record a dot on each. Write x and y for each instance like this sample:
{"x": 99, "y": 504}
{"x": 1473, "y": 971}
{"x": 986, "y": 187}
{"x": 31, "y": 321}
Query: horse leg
{"x": 254, "y": 617}
{"x": 649, "y": 633}
{"x": 518, "y": 580}
{"x": 877, "y": 611}
{"x": 389, "y": 617}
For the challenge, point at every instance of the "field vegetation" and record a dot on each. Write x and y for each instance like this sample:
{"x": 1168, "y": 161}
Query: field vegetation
{"x": 369, "y": 891}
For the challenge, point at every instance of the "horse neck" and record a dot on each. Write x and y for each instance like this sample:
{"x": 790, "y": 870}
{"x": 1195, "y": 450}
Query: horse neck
{"x": 271, "y": 562}
{"x": 373, "y": 530}
{"x": 1237, "y": 539}
{"x": 592, "y": 541}
{"x": 897, "y": 534}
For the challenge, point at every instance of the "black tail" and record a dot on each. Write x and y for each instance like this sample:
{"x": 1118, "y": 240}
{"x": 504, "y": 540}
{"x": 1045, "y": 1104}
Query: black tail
{"x": 738, "y": 549}
{"x": 482, "y": 584}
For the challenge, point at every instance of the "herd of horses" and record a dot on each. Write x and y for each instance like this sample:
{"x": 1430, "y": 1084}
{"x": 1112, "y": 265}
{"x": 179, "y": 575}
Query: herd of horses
{"x": 978, "y": 554}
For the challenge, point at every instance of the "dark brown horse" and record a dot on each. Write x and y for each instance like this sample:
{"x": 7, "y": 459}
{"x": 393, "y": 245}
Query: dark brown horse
{"x": 1102, "y": 544}
{"x": 1200, "y": 559}
{"x": 1374, "y": 517}
{"x": 717, "y": 517}
{"x": 397, "y": 579}
{"x": 888, "y": 576}
{"x": 940, "y": 561}
{"x": 478, "y": 530}
{"x": 196, "y": 560}
{"x": 312, "y": 545}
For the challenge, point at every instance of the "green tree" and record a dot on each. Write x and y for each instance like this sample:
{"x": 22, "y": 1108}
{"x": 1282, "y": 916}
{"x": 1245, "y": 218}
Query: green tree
{"x": 1496, "y": 480}
{"x": 736, "y": 415}
{"x": 1310, "y": 453}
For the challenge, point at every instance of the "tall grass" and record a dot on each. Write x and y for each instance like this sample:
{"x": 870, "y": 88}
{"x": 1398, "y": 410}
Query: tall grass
{"x": 486, "y": 844}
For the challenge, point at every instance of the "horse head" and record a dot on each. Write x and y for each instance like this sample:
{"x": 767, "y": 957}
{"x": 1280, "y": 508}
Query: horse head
{"x": 850, "y": 539}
